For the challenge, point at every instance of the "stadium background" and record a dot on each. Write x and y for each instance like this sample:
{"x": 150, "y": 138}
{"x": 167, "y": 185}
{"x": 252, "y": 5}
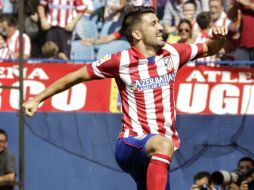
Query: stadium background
{"x": 74, "y": 150}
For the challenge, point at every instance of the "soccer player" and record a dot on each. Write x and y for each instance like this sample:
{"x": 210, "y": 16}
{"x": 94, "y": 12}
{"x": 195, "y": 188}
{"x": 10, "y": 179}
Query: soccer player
{"x": 145, "y": 76}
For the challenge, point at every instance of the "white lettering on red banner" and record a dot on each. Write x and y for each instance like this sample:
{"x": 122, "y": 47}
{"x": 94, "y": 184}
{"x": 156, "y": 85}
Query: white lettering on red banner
{"x": 205, "y": 90}
{"x": 198, "y": 90}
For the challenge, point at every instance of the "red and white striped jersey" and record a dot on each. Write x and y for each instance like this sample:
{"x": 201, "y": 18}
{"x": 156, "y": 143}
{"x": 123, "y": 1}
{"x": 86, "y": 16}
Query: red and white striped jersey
{"x": 12, "y": 43}
{"x": 222, "y": 21}
{"x": 4, "y": 53}
{"x": 146, "y": 87}
{"x": 62, "y": 12}
{"x": 1, "y": 4}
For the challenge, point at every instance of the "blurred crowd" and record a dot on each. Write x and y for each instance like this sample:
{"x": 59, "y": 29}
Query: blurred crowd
{"x": 61, "y": 29}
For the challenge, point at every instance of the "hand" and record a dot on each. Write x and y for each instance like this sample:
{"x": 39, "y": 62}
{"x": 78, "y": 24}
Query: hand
{"x": 44, "y": 24}
{"x": 219, "y": 33}
{"x": 87, "y": 41}
{"x": 30, "y": 107}
{"x": 194, "y": 187}
{"x": 244, "y": 185}
{"x": 70, "y": 26}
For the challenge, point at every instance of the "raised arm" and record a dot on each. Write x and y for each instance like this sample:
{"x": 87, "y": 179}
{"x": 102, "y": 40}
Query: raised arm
{"x": 81, "y": 75}
{"x": 216, "y": 42}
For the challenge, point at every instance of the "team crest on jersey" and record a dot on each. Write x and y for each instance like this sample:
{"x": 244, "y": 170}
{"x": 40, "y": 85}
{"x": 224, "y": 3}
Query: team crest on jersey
{"x": 168, "y": 62}
{"x": 102, "y": 60}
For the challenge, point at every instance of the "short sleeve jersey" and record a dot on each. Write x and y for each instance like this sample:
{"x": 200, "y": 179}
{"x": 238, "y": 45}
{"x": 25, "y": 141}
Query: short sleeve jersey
{"x": 146, "y": 86}
{"x": 62, "y": 12}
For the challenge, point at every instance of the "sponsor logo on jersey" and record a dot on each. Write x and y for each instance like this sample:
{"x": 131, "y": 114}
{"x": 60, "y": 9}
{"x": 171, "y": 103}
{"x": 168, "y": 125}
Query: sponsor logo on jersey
{"x": 169, "y": 63}
{"x": 151, "y": 83}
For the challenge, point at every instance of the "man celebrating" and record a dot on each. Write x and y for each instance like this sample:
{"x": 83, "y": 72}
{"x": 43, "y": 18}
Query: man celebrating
{"x": 145, "y": 76}
{"x": 7, "y": 164}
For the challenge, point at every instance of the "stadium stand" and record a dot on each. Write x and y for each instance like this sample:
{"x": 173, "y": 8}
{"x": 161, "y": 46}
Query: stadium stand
{"x": 112, "y": 47}
{"x": 81, "y": 53}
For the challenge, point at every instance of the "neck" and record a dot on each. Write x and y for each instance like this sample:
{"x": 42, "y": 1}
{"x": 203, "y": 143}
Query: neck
{"x": 11, "y": 31}
{"x": 147, "y": 51}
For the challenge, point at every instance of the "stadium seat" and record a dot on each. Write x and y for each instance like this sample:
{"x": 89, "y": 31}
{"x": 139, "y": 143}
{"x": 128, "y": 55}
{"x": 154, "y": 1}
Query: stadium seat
{"x": 109, "y": 27}
{"x": 85, "y": 28}
{"x": 81, "y": 53}
{"x": 112, "y": 47}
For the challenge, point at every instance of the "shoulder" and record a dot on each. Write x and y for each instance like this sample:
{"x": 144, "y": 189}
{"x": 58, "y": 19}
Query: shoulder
{"x": 7, "y": 156}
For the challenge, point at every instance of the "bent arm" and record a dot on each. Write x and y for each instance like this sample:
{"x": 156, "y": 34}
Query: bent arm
{"x": 62, "y": 84}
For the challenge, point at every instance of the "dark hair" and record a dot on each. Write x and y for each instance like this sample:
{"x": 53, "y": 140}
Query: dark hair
{"x": 191, "y": 2}
{"x": 3, "y": 35}
{"x": 221, "y": 1}
{"x": 203, "y": 174}
{"x": 133, "y": 18}
{"x": 184, "y": 21}
{"x": 4, "y": 133}
{"x": 187, "y": 22}
{"x": 247, "y": 159}
{"x": 203, "y": 19}
{"x": 10, "y": 19}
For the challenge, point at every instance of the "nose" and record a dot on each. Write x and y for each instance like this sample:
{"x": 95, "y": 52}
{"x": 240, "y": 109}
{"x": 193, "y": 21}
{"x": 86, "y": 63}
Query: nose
{"x": 160, "y": 27}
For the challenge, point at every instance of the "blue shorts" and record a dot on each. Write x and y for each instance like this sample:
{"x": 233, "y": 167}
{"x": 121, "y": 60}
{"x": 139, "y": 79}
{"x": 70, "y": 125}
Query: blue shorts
{"x": 130, "y": 155}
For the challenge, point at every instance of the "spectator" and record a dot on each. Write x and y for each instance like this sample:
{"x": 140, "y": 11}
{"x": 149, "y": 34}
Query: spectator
{"x": 203, "y": 21}
{"x": 32, "y": 27}
{"x": 10, "y": 28}
{"x": 60, "y": 24}
{"x": 189, "y": 12}
{"x": 7, "y": 164}
{"x": 248, "y": 182}
{"x": 116, "y": 35}
{"x": 185, "y": 31}
{"x": 51, "y": 51}
{"x": 244, "y": 165}
{"x": 173, "y": 13}
{"x": 4, "y": 51}
{"x": 160, "y": 6}
{"x": 113, "y": 10}
{"x": 202, "y": 180}
{"x": 218, "y": 16}
{"x": 7, "y": 6}
{"x": 245, "y": 50}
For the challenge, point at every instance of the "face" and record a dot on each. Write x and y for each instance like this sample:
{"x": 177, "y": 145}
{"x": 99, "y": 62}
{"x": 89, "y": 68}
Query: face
{"x": 151, "y": 31}
{"x": 3, "y": 142}
{"x": 6, "y": 28}
{"x": 216, "y": 9}
{"x": 244, "y": 166}
{"x": 202, "y": 181}
{"x": 189, "y": 11}
{"x": 184, "y": 31}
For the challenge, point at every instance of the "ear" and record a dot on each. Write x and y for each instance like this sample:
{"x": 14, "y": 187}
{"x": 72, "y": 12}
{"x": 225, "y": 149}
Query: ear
{"x": 137, "y": 35}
